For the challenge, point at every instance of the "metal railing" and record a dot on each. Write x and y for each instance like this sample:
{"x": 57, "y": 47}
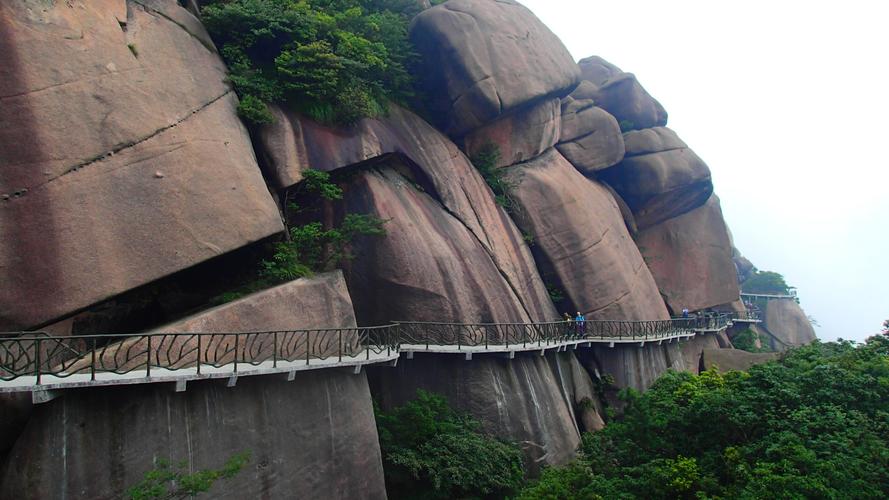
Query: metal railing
{"x": 40, "y": 355}
{"x": 89, "y": 357}
{"x": 749, "y": 315}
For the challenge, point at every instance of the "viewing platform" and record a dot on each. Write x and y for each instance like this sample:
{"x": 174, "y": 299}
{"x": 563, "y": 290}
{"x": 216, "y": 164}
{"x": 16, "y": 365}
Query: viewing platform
{"x": 767, "y": 296}
{"x": 42, "y": 364}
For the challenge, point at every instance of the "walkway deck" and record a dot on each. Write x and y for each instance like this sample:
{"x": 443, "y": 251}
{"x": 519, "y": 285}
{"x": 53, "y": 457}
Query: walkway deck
{"x": 42, "y": 364}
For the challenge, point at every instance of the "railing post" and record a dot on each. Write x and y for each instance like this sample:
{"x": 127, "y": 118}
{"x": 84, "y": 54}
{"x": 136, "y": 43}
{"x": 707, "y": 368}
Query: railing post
{"x": 93, "y": 361}
{"x": 148, "y": 359}
{"x": 308, "y": 346}
{"x": 237, "y": 343}
{"x": 199, "y": 353}
{"x": 340, "y": 342}
{"x": 37, "y": 361}
{"x": 274, "y": 349}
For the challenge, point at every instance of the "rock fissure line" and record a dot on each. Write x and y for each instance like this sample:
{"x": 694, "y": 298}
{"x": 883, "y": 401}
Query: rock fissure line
{"x": 151, "y": 10}
{"x": 117, "y": 149}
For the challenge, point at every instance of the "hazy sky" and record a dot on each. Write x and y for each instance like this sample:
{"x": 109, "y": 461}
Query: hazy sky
{"x": 788, "y": 103}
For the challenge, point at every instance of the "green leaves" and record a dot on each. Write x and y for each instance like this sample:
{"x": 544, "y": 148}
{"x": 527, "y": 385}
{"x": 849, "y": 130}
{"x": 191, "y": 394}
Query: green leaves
{"x": 767, "y": 282}
{"x": 432, "y": 452}
{"x": 167, "y": 481}
{"x": 813, "y": 425}
{"x": 337, "y": 61}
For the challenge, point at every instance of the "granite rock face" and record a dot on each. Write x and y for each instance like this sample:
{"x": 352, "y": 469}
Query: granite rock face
{"x": 174, "y": 186}
{"x": 690, "y": 258}
{"x": 633, "y": 366}
{"x": 590, "y": 137}
{"x": 788, "y": 325}
{"x": 660, "y": 177}
{"x": 482, "y": 58}
{"x": 519, "y": 136}
{"x": 436, "y": 164}
{"x": 429, "y": 266}
{"x": 734, "y": 359}
{"x": 581, "y": 242}
{"x": 313, "y": 438}
{"x": 531, "y": 399}
{"x": 621, "y": 95}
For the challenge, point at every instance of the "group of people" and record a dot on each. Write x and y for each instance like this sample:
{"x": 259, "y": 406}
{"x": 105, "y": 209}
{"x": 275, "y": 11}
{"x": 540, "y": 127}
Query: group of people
{"x": 579, "y": 322}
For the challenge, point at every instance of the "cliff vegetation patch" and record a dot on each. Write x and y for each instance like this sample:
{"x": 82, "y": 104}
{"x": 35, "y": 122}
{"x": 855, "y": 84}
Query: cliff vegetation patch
{"x": 335, "y": 60}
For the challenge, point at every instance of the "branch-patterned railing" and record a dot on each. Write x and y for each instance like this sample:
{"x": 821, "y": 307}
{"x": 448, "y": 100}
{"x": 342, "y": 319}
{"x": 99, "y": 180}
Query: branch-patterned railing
{"x": 39, "y": 355}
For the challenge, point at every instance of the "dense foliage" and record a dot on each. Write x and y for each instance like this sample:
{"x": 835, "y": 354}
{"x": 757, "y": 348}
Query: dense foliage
{"x": 747, "y": 339}
{"x": 313, "y": 247}
{"x": 813, "y": 425}
{"x": 432, "y": 452}
{"x": 174, "y": 482}
{"x": 766, "y": 282}
{"x": 336, "y": 60}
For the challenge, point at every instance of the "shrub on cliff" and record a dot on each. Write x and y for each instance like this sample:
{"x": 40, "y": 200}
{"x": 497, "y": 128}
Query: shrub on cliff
{"x": 432, "y": 452}
{"x": 814, "y": 424}
{"x": 335, "y": 60}
{"x": 767, "y": 282}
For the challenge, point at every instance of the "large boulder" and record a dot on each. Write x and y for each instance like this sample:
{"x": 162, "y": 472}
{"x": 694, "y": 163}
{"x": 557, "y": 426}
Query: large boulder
{"x": 787, "y": 324}
{"x": 429, "y": 266}
{"x": 693, "y": 349}
{"x": 519, "y": 136}
{"x": 294, "y": 144}
{"x": 96, "y": 202}
{"x": 621, "y": 95}
{"x": 690, "y": 258}
{"x": 531, "y": 399}
{"x": 482, "y": 58}
{"x": 314, "y": 437}
{"x": 659, "y": 177}
{"x": 581, "y": 243}
{"x": 590, "y": 137}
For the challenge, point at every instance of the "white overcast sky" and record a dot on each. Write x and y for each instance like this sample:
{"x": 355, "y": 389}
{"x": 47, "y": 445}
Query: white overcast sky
{"x": 787, "y": 102}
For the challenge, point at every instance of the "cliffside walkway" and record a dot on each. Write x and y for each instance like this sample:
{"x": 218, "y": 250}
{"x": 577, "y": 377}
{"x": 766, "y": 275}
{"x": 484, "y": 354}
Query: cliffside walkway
{"x": 768, "y": 296}
{"x": 43, "y": 364}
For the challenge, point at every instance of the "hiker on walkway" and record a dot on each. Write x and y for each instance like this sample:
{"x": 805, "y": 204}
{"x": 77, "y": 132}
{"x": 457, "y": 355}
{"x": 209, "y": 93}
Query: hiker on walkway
{"x": 580, "y": 321}
{"x": 685, "y": 313}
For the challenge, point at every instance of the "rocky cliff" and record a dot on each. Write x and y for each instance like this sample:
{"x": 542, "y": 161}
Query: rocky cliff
{"x": 132, "y": 192}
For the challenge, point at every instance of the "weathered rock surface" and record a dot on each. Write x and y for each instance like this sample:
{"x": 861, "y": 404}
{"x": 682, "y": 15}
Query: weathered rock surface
{"x": 294, "y": 144}
{"x": 590, "y": 138}
{"x": 483, "y": 58}
{"x": 100, "y": 202}
{"x": 621, "y": 95}
{"x": 14, "y": 411}
{"x": 581, "y": 242}
{"x": 319, "y": 302}
{"x": 660, "y": 178}
{"x": 735, "y": 359}
{"x": 631, "y": 365}
{"x": 429, "y": 266}
{"x": 788, "y": 325}
{"x": 521, "y": 135}
{"x": 692, "y": 350}
{"x": 313, "y": 438}
{"x": 690, "y": 258}
{"x": 743, "y": 265}
{"x": 530, "y": 399}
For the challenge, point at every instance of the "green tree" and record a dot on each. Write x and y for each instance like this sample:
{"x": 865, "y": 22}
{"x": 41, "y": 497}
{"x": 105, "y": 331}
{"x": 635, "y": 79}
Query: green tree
{"x": 432, "y": 452}
{"x": 766, "y": 282}
{"x": 814, "y": 424}
{"x": 336, "y": 60}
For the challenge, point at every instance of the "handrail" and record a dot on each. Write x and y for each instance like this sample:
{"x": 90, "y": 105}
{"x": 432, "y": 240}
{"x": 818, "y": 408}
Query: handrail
{"x": 90, "y": 357}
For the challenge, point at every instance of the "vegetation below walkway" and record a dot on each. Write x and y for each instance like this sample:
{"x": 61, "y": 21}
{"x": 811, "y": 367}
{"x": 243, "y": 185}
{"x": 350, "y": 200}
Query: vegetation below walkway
{"x": 813, "y": 425}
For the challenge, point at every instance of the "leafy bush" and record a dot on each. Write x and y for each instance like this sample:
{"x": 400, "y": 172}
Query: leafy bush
{"x": 485, "y": 161}
{"x": 626, "y": 125}
{"x": 766, "y": 282}
{"x": 336, "y": 60}
{"x": 312, "y": 247}
{"x": 166, "y": 481}
{"x": 746, "y": 341}
{"x": 814, "y": 424}
{"x": 432, "y": 452}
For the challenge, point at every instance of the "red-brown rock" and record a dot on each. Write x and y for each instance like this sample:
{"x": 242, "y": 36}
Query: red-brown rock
{"x": 519, "y": 136}
{"x": 690, "y": 258}
{"x": 100, "y": 202}
{"x": 591, "y": 139}
{"x": 630, "y": 365}
{"x": 787, "y": 323}
{"x": 581, "y": 242}
{"x": 621, "y": 95}
{"x": 660, "y": 178}
{"x": 483, "y": 58}
{"x": 294, "y": 144}
{"x": 726, "y": 360}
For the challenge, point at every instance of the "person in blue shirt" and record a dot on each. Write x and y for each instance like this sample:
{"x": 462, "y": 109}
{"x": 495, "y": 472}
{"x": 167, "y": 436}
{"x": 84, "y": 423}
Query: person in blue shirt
{"x": 580, "y": 321}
